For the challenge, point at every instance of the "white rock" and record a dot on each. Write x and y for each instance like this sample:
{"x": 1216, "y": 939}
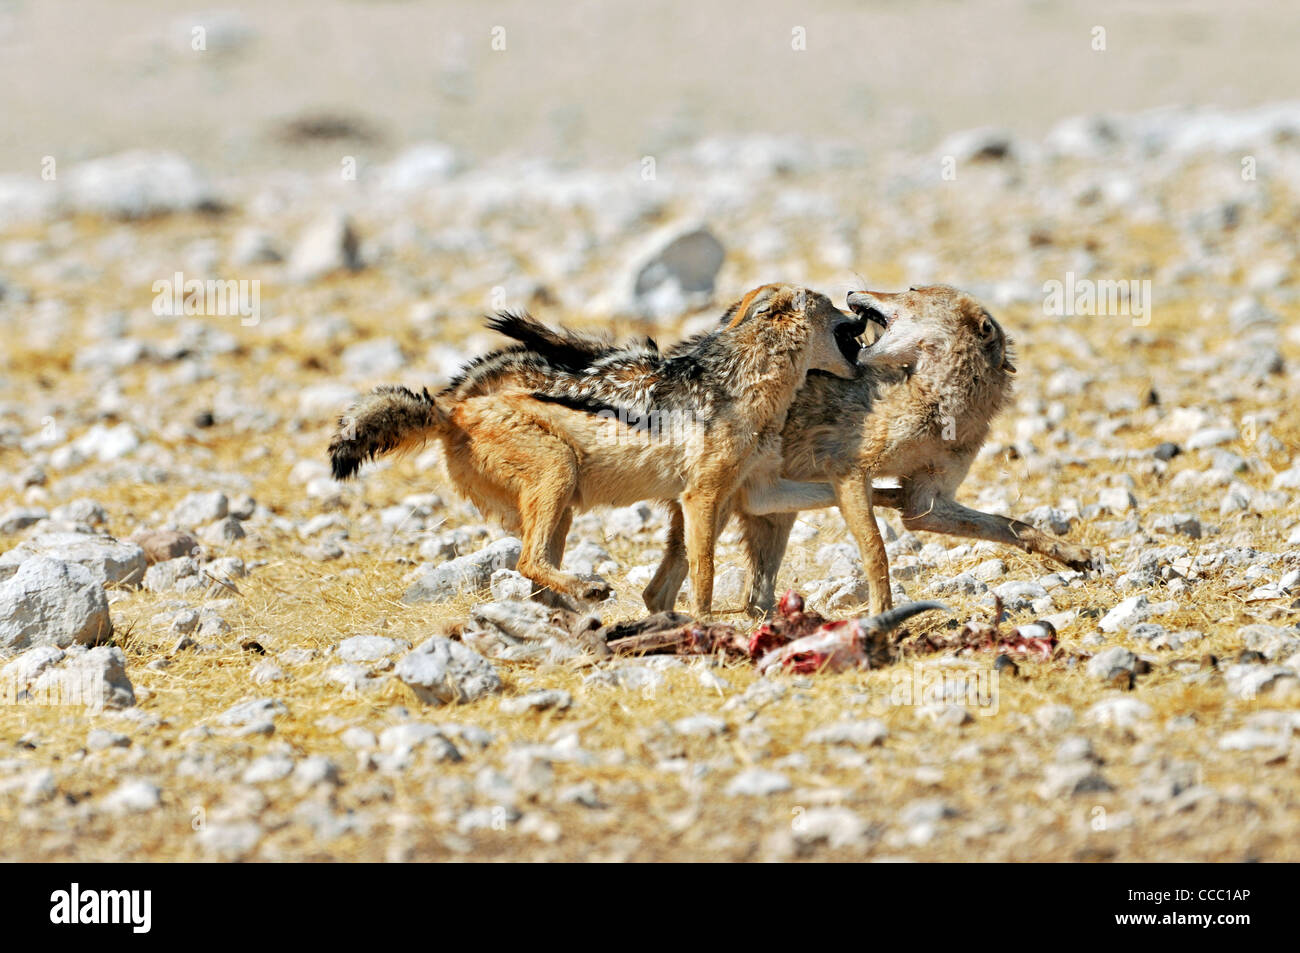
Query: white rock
{"x": 465, "y": 574}
{"x": 138, "y": 184}
{"x": 269, "y": 767}
{"x": 110, "y": 561}
{"x": 377, "y": 357}
{"x": 1110, "y": 663}
{"x": 700, "y": 726}
{"x": 199, "y": 509}
{"x": 834, "y": 826}
{"x": 420, "y": 167}
{"x": 507, "y": 585}
{"x": 757, "y": 782}
{"x": 867, "y": 733}
{"x": 441, "y": 671}
{"x": 1251, "y": 740}
{"x": 55, "y": 603}
{"x": 1126, "y": 614}
{"x": 370, "y": 648}
{"x": 543, "y": 700}
{"x": 1120, "y": 711}
{"x": 679, "y": 271}
{"x": 327, "y": 245}
{"x": 134, "y": 797}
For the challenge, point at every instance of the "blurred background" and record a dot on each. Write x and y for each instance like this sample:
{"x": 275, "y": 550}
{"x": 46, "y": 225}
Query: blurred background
{"x": 602, "y": 81}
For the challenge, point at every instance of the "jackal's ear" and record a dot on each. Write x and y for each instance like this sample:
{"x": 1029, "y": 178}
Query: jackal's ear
{"x": 754, "y": 303}
{"x": 988, "y": 328}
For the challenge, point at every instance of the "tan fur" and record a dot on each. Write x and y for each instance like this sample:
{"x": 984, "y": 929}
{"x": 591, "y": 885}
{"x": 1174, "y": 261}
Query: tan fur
{"x": 936, "y": 379}
{"x": 530, "y": 450}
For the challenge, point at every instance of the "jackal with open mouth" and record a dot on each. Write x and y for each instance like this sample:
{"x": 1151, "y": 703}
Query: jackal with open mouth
{"x": 935, "y": 378}
{"x": 559, "y": 423}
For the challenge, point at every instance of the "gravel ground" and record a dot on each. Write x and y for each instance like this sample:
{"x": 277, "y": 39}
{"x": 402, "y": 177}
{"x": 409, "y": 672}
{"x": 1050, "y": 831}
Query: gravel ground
{"x": 287, "y": 668}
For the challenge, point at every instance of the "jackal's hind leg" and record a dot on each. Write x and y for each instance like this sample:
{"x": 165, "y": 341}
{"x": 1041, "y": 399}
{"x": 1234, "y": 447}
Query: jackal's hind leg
{"x": 545, "y": 514}
{"x": 765, "y": 539}
{"x": 940, "y": 515}
{"x": 660, "y": 594}
{"x": 555, "y": 552}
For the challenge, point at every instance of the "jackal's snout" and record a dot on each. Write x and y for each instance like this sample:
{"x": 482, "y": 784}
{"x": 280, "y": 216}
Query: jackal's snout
{"x": 872, "y": 309}
{"x": 847, "y": 329}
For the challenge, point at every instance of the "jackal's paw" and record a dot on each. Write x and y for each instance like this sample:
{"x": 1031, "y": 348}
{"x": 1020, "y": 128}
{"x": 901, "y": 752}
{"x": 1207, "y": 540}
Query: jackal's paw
{"x": 1077, "y": 558}
{"x": 657, "y": 600}
{"x": 594, "y": 589}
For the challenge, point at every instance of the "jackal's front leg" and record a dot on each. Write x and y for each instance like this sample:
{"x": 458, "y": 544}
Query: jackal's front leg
{"x": 853, "y": 492}
{"x": 704, "y": 514}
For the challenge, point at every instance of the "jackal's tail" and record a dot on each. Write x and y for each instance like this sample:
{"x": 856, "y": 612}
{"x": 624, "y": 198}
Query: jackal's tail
{"x": 387, "y": 419}
{"x": 559, "y": 347}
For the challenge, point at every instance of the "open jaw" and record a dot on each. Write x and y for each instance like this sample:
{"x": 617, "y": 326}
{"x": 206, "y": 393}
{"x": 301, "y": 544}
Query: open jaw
{"x": 870, "y": 314}
{"x": 847, "y": 330}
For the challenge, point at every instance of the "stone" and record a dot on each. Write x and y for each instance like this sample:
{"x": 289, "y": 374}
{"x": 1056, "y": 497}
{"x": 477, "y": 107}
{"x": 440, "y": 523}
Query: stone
{"x": 53, "y": 603}
{"x": 1072, "y": 778}
{"x": 370, "y": 648}
{"x": 546, "y": 699}
{"x": 100, "y": 739}
{"x": 161, "y": 545}
{"x": 757, "y": 782}
{"x": 1109, "y": 664}
{"x": 254, "y": 246}
{"x": 1119, "y": 711}
{"x": 508, "y": 585}
{"x": 133, "y": 797}
{"x": 110, "y": 561}
{"x": 136, "y": 185}
{"x": 255, "y": 716}
{"x": 868, "y": 733}
{"x": 226, "y": 530}
{"x": 1126, "y": 614}
{"x": 681, "y": 270}
{"x": 465, "y": 575}
{"x": 1054, "y": 718}
{"x": 164, "y": 576}
{"x": 832, "y": 826}
{"x": 326, "y": 246}
{"x": 94, "y": 679}
{"x": 17, "y": 520}
{"x": 269, "y": 767}
{"x": 199, "y": 509}
{"x": 700, "y": 726}
{"x": 315, "y": 771}
{"x": 1182, "y": 523}
{"x": 441, "y": 672}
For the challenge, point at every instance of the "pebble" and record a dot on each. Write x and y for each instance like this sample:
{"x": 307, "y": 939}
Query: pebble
{"x": 757, "y": 782}
{"x": 441, "y": 672}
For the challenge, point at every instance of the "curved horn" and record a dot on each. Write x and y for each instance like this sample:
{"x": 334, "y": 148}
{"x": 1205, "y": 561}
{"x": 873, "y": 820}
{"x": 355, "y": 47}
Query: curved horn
{"x": 892, "y": 618}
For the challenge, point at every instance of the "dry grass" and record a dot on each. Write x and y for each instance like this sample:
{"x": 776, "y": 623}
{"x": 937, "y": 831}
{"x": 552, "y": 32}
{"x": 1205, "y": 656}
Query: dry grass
{"x": 662, "y": 793}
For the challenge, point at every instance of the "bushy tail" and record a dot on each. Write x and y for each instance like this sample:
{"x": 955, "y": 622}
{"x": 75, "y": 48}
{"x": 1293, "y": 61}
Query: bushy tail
{"x": 387, "y": 419}
{"x": 559, "y": 347}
